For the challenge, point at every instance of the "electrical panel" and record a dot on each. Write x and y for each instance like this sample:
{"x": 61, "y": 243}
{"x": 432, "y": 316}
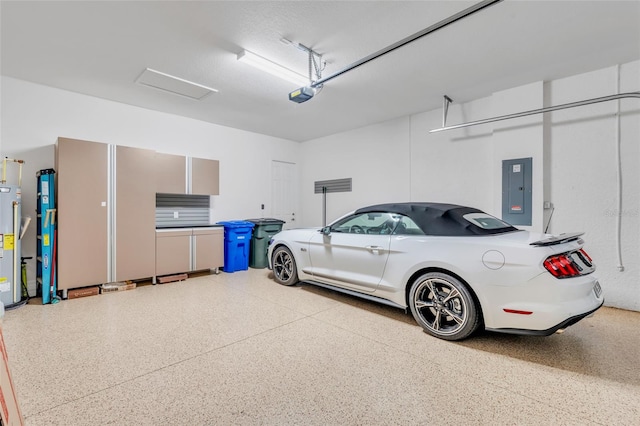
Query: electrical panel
{"x": 517, "y": 191}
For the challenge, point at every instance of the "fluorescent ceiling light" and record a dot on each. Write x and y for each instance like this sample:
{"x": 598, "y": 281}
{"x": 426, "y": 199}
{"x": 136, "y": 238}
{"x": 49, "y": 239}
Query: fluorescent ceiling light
{"x": 272, "y": 68}
{"x": 176, "y": 85}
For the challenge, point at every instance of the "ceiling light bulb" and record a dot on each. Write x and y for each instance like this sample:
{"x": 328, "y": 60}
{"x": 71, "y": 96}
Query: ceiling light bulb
{"x": 272, "y": 68}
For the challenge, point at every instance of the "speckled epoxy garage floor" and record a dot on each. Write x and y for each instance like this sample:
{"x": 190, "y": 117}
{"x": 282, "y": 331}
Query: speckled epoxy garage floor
{"x": 240, "y": 349}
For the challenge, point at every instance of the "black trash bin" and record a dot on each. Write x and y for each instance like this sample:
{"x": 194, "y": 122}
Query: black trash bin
{"x": 263, "y": 230}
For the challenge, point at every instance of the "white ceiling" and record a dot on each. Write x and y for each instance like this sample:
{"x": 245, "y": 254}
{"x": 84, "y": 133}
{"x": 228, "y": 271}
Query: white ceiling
{"x": 100, "y": 48}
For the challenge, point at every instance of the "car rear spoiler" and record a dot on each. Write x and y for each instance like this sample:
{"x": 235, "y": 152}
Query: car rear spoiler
{"x": 559, "y": 239}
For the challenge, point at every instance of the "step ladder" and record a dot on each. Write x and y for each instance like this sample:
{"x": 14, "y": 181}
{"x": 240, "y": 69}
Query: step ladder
{"x": 46, "y": 254}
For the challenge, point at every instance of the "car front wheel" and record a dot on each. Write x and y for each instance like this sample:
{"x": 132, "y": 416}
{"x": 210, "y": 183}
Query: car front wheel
{"x": 284, "y": 266}
{"x": 443, "y": 306}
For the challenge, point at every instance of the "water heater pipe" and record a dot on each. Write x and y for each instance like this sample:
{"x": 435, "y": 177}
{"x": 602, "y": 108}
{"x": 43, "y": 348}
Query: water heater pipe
{"x": 16, "y": 232}
{"x": 4, "y": 169}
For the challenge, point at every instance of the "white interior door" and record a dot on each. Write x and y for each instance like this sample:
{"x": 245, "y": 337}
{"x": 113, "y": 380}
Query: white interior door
{"x": 284, "y": 193}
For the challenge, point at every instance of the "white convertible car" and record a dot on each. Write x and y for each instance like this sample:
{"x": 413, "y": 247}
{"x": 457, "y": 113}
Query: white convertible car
{"x": 456, "y": 268}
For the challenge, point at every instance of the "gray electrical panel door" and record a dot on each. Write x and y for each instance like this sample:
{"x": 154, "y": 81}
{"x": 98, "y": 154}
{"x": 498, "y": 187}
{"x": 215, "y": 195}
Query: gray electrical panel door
{"x": 516, "y": 191}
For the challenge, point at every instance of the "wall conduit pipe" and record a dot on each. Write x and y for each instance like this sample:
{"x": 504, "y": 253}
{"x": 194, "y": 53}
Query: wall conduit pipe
{"x": 618, "y": 143}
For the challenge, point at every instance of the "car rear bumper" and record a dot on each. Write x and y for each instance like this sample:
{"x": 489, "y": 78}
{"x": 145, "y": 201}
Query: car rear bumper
{"x": 564, "y": 324}
{"x": 542, "y": 305}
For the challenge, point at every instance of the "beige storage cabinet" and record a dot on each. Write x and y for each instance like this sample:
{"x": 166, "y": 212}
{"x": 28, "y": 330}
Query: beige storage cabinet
{"x": 91, "y": 252}
{"x": 87, "y": 171}
{"x": 181, "y": 250}
{"x": 205, "y": 176}
{"x": 173, "y": 251}
{"x": 171, "y": 173}
{"x": 172, "y": 176}
{"x": 82, "y": 213}
{"x": 208, "y": 250}
{"x": 135, "y": 214}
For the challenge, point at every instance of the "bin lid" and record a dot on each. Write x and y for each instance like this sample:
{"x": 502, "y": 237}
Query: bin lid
{"x": 266, "y": 221}
{"x": 236, "y": 224}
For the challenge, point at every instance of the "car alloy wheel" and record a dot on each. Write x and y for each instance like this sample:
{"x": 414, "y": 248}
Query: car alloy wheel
{"x": 443, "y": 306}
{"x": 284, "y": 266}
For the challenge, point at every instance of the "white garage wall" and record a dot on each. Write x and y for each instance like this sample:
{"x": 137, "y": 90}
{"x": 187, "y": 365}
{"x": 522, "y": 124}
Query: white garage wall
{"x": 464, "y": 166}
{"x": 573, "y": 155}
{"x": 583, "y": 175}
{"x": 33, "y": 116}
{"x": 452, "y": 168}
{"x": 399, "y": 160}
{"x": 377, "y": 158}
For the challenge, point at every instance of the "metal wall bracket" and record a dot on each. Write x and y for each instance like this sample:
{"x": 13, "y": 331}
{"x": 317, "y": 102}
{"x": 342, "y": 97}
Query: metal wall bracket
{"x": 445, "y": 109}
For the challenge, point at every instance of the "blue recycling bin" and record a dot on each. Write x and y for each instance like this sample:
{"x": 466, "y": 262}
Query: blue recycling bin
{"x": 237, "y": 240}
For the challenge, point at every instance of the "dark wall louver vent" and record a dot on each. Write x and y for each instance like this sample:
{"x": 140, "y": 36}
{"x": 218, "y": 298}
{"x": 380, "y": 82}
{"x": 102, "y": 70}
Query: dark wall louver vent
{"x": 334, "y": 185}
{"x": 182, "y": 200}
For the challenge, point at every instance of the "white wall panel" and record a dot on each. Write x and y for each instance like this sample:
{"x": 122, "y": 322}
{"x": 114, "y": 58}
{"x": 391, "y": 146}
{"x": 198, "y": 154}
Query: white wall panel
{"x": 376, "y": 157}
{"x": 33, "y": 116}
{"x": 584, "y": 179}
{"x": 453, "y": 167}
{"x": 519, "y": 138}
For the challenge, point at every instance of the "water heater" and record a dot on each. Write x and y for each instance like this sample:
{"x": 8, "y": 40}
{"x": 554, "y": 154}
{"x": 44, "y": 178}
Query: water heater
{"x": 10, "y": 216}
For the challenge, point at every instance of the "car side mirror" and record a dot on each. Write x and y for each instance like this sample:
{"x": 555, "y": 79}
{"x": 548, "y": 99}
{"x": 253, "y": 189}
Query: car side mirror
{"x": 326, "y": 230}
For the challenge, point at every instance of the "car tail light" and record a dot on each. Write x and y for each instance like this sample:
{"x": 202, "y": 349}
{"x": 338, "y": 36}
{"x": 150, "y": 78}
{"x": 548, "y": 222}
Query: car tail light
{"x": 569, "y": 265}
{"x": 585, "y": 257}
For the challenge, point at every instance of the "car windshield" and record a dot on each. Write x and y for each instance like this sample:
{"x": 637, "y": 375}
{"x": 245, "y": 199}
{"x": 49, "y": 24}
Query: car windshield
{"x": 486, "y": 221}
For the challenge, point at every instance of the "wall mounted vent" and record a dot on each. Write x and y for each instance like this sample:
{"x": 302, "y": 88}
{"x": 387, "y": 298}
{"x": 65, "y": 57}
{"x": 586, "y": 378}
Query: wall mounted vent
{"x": 334, "y": 185}
{"x": 172, "y": 84}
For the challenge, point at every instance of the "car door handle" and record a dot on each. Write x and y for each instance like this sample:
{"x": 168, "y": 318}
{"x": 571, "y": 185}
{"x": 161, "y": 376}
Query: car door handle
{"x": 375, "y": 249}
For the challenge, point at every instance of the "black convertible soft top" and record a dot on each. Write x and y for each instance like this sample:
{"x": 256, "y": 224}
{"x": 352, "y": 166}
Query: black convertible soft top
{"x": 438, "y": 219}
